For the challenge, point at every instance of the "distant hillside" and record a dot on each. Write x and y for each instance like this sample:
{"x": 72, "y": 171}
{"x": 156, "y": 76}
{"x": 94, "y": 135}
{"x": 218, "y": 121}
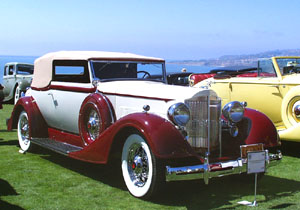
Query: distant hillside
{"x": 239, "y": 60}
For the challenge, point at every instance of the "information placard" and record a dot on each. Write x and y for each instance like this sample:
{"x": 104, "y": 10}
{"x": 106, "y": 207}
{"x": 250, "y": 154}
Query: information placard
{"x": 256, "y": 162}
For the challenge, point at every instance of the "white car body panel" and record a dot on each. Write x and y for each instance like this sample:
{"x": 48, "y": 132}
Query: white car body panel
{"x": 61, "y": 108}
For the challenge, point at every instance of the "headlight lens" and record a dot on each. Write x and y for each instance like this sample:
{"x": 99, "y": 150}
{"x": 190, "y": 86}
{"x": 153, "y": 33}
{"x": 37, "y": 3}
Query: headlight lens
{"x": 233, "y": 111}
{"x": 179, "y": 114}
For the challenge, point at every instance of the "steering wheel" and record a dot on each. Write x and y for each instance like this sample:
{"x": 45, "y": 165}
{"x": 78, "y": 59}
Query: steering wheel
{"x": 294, "y": 70}
{"x": 145, "y": 74}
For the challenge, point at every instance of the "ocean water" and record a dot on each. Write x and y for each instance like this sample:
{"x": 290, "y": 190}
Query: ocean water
{"x": 189, "y": 68}
{"x": 170, "y": 67}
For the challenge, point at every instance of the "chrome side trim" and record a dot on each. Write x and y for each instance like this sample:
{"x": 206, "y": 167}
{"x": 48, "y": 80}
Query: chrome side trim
{"x": 218, "y": 169}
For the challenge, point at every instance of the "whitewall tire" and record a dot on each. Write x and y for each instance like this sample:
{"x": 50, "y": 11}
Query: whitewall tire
{"x": 23, "y": 132}
{"x": 17, "y": 94}
{"x": 142, "y": 173}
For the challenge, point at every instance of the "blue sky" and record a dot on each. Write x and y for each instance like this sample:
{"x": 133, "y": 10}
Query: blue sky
{"x": 168, "y": 29}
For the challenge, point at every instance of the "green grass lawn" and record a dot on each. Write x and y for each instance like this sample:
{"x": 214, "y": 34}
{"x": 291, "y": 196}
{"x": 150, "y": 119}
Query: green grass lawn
{"x": 47, "y": 180}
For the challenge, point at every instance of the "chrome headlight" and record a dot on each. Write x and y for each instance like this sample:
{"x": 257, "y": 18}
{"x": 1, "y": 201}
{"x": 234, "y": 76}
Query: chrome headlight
{"x": 179, "y": 114}
{"x": 233, "y": 111}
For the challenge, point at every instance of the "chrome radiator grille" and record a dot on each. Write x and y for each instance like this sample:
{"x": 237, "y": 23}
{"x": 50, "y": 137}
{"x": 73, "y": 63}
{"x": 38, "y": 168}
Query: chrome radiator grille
{"x": 204, "y": 127}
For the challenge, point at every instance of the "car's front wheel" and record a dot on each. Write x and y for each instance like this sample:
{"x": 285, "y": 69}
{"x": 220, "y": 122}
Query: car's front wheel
{"x": 142, "y": 172}
{"x": 17, "y": 94}
{"x": 23, "y": 132}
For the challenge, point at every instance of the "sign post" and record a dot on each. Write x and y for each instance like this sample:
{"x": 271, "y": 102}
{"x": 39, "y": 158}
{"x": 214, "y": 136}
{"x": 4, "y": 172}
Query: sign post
{"x": 256, "y": 164}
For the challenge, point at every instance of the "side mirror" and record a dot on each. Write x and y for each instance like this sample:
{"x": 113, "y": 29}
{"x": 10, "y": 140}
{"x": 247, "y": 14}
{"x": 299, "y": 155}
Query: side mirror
{"x": 95, "y": 82}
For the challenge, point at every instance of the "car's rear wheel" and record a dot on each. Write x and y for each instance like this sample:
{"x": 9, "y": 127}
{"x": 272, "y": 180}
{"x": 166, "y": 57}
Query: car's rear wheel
{"x": 142, "y": 172}
{"x": 23, "y": 132}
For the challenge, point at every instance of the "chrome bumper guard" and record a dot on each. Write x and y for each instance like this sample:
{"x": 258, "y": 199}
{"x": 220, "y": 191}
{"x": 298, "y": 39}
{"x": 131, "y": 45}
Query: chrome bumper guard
{"x": 218, "y": 169}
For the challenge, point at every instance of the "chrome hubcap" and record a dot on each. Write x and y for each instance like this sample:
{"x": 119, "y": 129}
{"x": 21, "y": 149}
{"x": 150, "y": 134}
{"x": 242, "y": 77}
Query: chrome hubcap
{"x": 24, "y": 130}
{"x": 138, "y": 166}
{"x": 297, "y": 110}
{"x": 93, "y": 125}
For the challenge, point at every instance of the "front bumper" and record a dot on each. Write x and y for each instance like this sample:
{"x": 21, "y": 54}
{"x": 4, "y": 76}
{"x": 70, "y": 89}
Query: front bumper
{"x": 217, "y": 169}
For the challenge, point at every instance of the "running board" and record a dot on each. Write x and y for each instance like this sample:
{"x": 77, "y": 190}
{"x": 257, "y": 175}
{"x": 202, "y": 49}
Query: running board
{"x": 56, "y": 146}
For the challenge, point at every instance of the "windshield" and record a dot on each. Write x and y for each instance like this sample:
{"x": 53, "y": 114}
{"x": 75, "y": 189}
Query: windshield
{"x": 288, "y": 65}
{"x": 24, "y": 69}
{"x": 110, "y": 70}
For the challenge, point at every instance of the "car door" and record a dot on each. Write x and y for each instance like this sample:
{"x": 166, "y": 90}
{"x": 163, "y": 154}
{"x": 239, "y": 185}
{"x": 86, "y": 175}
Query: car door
{"x": 9, "y": 80}
{"x": 69, "y": 87}
{"x": 262, "y": 92}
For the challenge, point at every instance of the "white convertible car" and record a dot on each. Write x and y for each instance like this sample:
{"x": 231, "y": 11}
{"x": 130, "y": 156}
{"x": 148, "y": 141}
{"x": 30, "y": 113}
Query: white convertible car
{"x": 94, "y": 106}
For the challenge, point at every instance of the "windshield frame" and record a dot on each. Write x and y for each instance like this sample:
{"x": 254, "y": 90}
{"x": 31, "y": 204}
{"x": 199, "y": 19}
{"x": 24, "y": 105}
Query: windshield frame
{"x": 163, "y": 80}
{"x": 281, "y": 67}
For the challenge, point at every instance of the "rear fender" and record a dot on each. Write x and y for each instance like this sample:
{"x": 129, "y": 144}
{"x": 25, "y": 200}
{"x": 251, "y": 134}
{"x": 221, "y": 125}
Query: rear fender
{"x": 261, "y": 129}
{"x": 162, "y": 136}
{"x": 38, "y": 126}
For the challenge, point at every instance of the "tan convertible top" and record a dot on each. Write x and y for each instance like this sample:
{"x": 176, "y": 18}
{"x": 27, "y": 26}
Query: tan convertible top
{"x": 43, "y": 65}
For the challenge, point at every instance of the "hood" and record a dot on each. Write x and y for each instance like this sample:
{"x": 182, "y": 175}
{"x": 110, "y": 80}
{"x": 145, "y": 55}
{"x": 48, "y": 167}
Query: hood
{"x": 150, "y": 89}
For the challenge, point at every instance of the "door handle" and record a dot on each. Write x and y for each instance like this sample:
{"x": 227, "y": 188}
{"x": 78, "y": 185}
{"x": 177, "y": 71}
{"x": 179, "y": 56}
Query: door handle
{"x": 276, "y": 86}
{"x": 54, "y": 101}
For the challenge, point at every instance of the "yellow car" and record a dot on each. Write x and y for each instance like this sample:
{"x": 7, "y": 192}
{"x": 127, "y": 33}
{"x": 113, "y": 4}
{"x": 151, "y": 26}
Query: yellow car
{"x": 272, "y": 88}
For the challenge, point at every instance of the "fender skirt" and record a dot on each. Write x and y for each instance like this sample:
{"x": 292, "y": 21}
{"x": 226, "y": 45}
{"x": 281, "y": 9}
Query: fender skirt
{"x": 262, "y": 130}
{"x": 38, "y": 126}
{"x": 163, "y": 138}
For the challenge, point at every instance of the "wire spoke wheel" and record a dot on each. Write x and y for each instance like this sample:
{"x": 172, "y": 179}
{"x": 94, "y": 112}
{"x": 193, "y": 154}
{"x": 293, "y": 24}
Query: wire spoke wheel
{"x": 93, "y": 124}
{"x": 138, "y": 166}
{"x": 23, "y": 131}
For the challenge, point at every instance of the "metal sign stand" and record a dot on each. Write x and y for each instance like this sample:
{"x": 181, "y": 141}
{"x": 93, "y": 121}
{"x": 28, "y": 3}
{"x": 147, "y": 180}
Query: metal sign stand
{"x": 256, "y": 164}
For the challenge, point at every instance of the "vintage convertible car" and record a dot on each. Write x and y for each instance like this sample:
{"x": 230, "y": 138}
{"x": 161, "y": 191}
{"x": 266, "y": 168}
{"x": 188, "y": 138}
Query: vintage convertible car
{"x": 178, "y": 78}
{"x": 94, "y": 106}
{"x": 272, "y": 88}
{"x": 17, "y": 77}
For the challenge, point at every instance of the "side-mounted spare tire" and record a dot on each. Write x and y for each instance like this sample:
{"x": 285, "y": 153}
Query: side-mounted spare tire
{"x": 290, "y": 107}
{"x": 96, "y": 114}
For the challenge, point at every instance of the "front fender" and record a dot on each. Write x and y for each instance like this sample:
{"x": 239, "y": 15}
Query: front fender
{"x": 261, "y": 129}
{"x": 162, "y": 136}
{"x": 23, "y": 84}
{"x": 38, "y": 126}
